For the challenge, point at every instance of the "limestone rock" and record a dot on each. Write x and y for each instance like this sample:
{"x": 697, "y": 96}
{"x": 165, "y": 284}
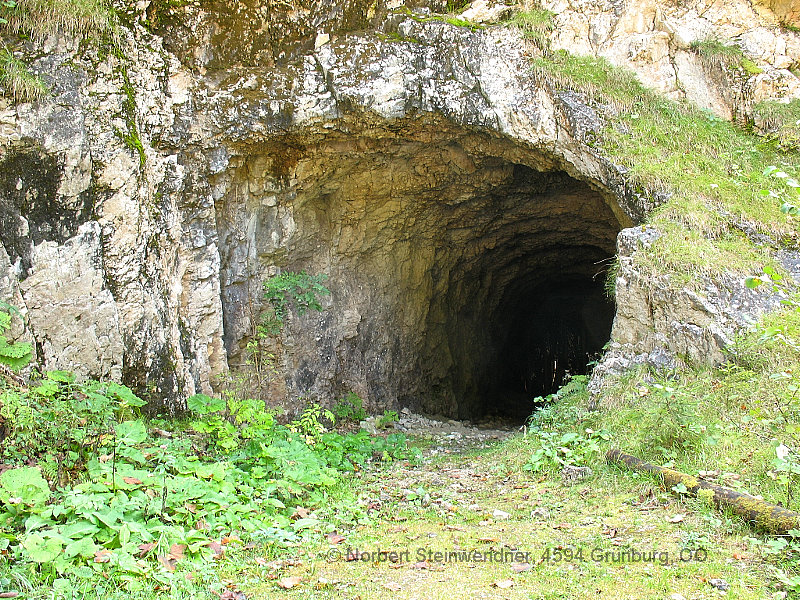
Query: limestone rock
{"x": 485, "y": 11}
{"x": 442, "y": 188}
{"x": 663, "y": 325}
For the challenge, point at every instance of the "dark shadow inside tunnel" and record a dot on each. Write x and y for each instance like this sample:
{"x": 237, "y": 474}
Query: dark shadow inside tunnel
{"x": 543, "y": 334}
{"x": 524, "y": 294}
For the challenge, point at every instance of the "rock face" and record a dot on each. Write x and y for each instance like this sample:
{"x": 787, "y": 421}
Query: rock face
{"x": 449, "y": 197}
{"x": 665, "y": 43}
{"x": 661, "y": 325}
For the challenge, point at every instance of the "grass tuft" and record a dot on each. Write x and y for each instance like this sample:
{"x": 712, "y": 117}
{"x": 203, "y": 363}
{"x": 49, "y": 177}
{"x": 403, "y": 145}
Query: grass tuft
{"x": 39, "y": 18}
{"x": 535, "y": 24}
{"x": 18, "y": 81}
{"x": 781, "y": 123}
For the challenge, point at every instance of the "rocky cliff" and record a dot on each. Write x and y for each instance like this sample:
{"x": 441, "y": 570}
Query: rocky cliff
{"x": 443, "y": 188}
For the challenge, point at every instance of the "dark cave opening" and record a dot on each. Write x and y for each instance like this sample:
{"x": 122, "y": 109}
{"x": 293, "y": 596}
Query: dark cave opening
{"x": 524, "y": 295}
{"x": 543, "y": 333}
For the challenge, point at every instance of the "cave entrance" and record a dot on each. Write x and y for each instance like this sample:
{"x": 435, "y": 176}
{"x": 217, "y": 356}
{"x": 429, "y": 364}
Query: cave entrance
{"x": 466, "y": 268}
{"x": 523, "y": 294}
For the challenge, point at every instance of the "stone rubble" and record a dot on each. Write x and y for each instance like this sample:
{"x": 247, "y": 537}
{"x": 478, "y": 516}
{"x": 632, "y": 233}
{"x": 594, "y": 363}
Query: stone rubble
{"x": 447, "y": 434}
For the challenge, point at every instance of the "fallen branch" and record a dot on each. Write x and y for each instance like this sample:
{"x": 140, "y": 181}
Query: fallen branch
{"x": 766, "y": 516}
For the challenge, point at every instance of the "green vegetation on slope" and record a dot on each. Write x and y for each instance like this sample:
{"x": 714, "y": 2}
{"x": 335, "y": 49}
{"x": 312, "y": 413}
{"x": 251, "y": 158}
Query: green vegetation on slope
{"x": 95, "y": 501}
{"x": 711, "y": 172}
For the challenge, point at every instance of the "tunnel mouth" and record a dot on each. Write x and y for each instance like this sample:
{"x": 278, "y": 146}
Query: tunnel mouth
{"x": 461, "y": 264}
{"x": 544, "y": 333}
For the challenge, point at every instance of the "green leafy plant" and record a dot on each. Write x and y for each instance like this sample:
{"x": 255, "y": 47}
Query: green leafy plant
{"x": 387, "y": 419}
{"x": 784, "y": 552}
{"x": 310, "y": 424}
{"x": 350, "y": 408}
{"x": 139, "y": 509}
{"x": 15, "y": 355}
{"x": 558, "y": 450}
{"x": 288, "y": 290}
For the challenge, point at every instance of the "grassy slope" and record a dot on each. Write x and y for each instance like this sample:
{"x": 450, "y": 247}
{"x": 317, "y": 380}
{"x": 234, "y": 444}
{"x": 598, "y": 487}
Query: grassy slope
{"x": 730, "y": 419}
{"x": 712, "y": 171}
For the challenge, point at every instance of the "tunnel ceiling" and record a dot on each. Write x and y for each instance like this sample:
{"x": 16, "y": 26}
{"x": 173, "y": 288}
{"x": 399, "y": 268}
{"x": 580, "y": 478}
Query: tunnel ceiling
{"x": 438, "y": 242}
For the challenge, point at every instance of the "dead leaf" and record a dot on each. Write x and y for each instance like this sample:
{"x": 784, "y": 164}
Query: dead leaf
{"x": 521, "y": 567}
{"x": 216, "y": 548}
{"x": 232, "y": 595}
{"x": 104, "y": 458}
{"x": 423, "y": 564}
{"x": 455, "y": 528}
{"x": 335, "y": 538}
{"x": 675, "y": 518}
{"x": 300, "y": 513}
{"x": 230, "y": 539}
{"x": 503, "y": 584}
{"x": 166, "y": 562}
{"x": 488, "y": 540}
{"x": 102, "y": 556}
{"x": 192, "y": 508}
{"x": 144, "y": 549}
{"x": 395, "y": 587}
{"x": 132, "y": 480}
{"x": 397, "y": 529}
{"x": 9, "y": 594}
{"x": 176, "y": 551}
{"x": 288, "y": 583}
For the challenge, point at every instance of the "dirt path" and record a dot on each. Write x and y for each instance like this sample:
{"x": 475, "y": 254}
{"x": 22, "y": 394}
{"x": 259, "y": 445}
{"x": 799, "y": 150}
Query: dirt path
{"x": 473, "y": 524}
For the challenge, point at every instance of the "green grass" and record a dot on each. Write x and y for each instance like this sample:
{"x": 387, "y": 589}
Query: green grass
{"x": 17, "y": 80}
{"x": 726, "y": 421}
{"x": 609, "y": 511}
{"x": 711, "y": 170}
{"x": 716, "y": 53}
{"x": 535, "y": 24}
{"x": 780, "y": 122}
{"x": 40, "y": 18}
{"x": 727, "y": 418}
